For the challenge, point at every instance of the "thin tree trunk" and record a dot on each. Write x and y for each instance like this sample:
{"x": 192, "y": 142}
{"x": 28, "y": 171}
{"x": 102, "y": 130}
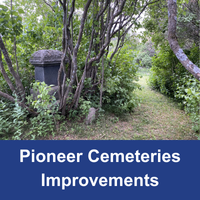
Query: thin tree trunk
{"x": 74, "y": 58}
{"x": 7, "y": 79}
{"x": 102, "y": 80}
{"x": 15, "y": 50}
{"x": 20, "y": 88}
{"x": 15, "y": 45}
{"x": 102, "y": 72}
{"x": 7, "y": 96}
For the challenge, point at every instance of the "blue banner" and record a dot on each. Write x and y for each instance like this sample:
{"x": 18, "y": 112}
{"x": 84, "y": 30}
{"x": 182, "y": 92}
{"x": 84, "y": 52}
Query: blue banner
{"x": 158, "y": 170}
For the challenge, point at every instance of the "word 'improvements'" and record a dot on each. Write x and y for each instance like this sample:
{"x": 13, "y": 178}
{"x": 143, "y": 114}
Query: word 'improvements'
{"x": 67, "y": 181}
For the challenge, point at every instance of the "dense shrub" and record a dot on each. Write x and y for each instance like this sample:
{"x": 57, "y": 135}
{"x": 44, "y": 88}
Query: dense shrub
{"x": 121, "y": 80}
{"x": 189, "y": 93}
{"x": 164, "y": 65}
{"x": 24, "y": 37}
{"x": 167, "y": 72}
{"x": 171, "y": 78}
{"x": 12, "y": 119}
{"x": 16, "y": 123}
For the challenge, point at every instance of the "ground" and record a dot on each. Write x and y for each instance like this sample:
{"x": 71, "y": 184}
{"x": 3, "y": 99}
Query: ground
{"x": 157, "y": 118}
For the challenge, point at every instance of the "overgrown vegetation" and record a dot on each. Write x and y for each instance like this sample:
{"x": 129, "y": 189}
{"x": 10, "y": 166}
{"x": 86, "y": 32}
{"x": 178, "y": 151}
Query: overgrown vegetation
{"x": 96, "y": 74}
{"x": 121, "y": 82}
{"x": 167, "y": 74}
{"x": 145, "y": 52}
{"x": 16, "y": 123}
{"x": 103, "y": 57}
{"x": 152, "y": 120}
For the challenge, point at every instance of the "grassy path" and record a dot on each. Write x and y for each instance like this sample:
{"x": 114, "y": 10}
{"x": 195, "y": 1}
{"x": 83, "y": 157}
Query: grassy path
{"x": 157, "y": 118}
{"x": 160, "y": 118}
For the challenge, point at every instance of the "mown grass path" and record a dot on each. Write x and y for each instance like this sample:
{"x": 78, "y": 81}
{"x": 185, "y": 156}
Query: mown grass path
{"x": 157, "y": 118}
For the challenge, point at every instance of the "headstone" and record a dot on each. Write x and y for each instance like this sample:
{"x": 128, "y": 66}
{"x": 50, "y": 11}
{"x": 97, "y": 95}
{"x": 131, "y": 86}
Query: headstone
{"x": 91, "y": 116}
{"x": 47, "y": 64}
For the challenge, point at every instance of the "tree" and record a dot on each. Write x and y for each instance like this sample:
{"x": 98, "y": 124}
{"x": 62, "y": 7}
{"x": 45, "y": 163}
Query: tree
{"x": 12, "y": 28}
{"x": 106, "y": 20}
{"x": 172, "y": 38}
{"x": 88, "y": 29}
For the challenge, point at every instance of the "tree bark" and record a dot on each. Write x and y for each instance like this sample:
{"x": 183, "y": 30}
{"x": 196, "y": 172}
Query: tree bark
{"x": 172, "y": 20}
{"x": 74, "y": 58}
{"x": 102, "y": 80}
{"x": 108, "y": 20}
{"x": 7, "y": 96}
{"x": 19, "y": 87}
{"x": 7, "y": 79}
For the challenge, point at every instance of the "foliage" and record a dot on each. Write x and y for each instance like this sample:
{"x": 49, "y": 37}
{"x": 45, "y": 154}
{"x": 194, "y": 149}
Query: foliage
{"x": 39, "y": 25}
{"x": 16, "y": 122}
{"x": 12, "y": 119}
{"x": 156, "y": 23}
{"x": 82, "y": 111}
{"x": 145, "y": 53}
{"x": 166, "y": 70}
{"x": 120, "y": 82}
{"x": 5, "y": 115}
{"x": 190, "y": 94}
{"x": 47, "y": 109}
{"x": 10, "y": 21}
{"x": 163, "y": 66}
{"x": 144, "y": 59}
{"x": 171, "y": 78}
{"x": 84, "y": 106}
{"x": 167, "y": 74}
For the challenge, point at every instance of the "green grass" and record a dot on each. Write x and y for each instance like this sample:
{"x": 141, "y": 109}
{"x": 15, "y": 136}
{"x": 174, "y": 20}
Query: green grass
{"x": 160, "y": 117}
{"x": 157, "y": 118}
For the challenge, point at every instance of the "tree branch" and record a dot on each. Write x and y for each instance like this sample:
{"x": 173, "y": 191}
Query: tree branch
{"x": 20, "y": 87}
{"x": 74, "y": 59}
{"x": 49, "y": 5}
{"x": 7, "y": 79}
{"x": 61, "y": 2}
{"x": 7, "y": 96}
{"x": 172, "y": 19}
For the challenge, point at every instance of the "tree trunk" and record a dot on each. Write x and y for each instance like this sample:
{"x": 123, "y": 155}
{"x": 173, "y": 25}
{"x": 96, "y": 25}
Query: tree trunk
{"x": 19, "y": 87}
{"x": 172, "y": 20}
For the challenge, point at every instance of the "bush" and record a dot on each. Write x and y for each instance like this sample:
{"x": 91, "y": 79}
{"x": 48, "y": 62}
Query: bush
{"x": 121, "y": 82}
{"x": 15, "y": 121}
{"x": 47, "y": 109}
{"x": 189, "y": 93}
{"x": 171, "y": 78}
{"x": 164, "y": 66}
{"x": 12, "y": 119}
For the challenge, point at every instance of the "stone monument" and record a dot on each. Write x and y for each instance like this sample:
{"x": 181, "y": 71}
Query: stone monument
{"x": 47, "y": 64}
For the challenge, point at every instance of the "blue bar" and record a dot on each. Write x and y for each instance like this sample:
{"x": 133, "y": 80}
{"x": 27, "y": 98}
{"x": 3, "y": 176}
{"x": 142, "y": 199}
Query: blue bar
{"x": 99, "y": 170}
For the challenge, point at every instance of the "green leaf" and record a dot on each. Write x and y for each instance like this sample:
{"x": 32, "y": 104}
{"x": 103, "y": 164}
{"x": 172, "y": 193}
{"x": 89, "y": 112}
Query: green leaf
{"x": 4, "y": 7}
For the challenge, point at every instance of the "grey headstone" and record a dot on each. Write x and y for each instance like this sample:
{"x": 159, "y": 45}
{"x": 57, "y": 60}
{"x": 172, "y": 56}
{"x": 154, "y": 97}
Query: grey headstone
{"x": 47, "y": 64}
